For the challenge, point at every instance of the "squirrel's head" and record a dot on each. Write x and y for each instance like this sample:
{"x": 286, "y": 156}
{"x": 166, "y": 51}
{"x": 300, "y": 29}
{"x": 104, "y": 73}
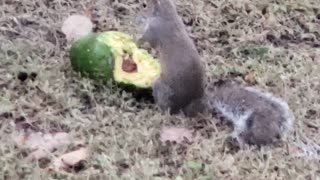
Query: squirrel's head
{"x": 157, "y": 20}
{"x": 163, "y": 8}
{"x": 156, "y": 10}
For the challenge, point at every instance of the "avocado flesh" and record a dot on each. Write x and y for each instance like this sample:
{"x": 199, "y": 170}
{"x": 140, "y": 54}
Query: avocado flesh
{"x": 148, "y": 68}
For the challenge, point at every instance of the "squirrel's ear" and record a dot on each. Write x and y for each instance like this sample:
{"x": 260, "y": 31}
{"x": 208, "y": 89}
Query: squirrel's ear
{"x": 155, "y": 2}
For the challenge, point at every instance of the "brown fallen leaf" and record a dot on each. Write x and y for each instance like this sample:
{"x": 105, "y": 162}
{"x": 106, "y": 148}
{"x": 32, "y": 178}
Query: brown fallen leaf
{"x": 250, "y": 78}
{"x": 293, "y": 149}
{"x": 69, "y": 160}
{"x": 41, "y": 144}
{"x": 175, "y": 134}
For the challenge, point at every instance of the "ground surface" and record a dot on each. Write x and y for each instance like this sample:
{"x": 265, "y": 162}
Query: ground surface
{"x": 277, "y": 40}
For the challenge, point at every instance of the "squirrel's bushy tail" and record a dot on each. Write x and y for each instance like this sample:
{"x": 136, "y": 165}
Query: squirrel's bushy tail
{"x": 251, "y": 111}
{"x": 281, "y": 105}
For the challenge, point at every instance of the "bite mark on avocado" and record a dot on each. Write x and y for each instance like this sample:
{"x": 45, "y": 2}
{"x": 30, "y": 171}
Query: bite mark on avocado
{"x": 128, "y": 65}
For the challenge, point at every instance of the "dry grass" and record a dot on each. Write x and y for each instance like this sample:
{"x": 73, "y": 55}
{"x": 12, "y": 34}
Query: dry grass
{"x": 278, "y": 40}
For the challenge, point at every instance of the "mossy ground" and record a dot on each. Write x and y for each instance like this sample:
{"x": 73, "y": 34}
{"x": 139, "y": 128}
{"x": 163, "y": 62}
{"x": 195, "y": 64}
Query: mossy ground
{"x": 278, "y": 40}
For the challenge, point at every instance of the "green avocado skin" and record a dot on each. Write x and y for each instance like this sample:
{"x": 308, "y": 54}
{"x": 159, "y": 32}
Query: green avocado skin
{"x": 92, "y": 58}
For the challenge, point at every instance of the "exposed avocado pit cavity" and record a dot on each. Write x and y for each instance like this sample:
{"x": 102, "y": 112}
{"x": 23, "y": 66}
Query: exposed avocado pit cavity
{"x": 133, "y": 66}
{"x": 128, "y": 65}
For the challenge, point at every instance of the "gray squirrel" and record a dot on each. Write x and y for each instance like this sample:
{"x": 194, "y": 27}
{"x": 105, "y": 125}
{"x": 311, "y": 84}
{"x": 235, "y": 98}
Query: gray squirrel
{"x": 258, "y": 117}
{"x": 180, "y": 86}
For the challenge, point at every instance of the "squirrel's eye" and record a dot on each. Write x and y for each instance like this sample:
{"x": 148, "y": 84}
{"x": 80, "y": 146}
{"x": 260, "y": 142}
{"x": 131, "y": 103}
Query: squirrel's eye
{"x": 144, "y": 5}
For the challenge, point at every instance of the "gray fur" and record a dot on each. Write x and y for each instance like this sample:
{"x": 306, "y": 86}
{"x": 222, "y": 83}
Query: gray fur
{"x": 258, "y": 117}
{"x": 180, "y": 85}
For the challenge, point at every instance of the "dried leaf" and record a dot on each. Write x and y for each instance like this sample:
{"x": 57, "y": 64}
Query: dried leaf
{"x": 250, "y": 78}
{"x": 175, "y": 134}
{"x": 70, "y": 159}
{"x": 76, "y": 27}
{"x": 41, "y": 144}
{"x": 293, "y": 149}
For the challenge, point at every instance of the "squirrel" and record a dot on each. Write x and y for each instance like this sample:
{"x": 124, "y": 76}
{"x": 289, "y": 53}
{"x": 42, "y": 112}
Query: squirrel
{"x": 180, "y": 87}
{"x": 258, "y": 117}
